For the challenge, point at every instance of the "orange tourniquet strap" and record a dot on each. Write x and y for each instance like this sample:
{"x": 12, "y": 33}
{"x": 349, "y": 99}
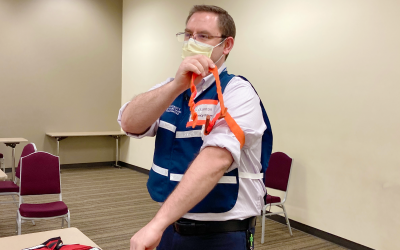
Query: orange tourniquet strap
{"x": 191, "y": 100}
{"x": 233, "y": 126}
{"x": 219, "y": 92}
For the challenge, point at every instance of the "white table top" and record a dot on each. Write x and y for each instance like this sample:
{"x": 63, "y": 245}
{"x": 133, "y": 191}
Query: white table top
{"x": 70, "y": 235}
{"x": 68, "y": 134}
{"x": 3, "y": 175}
{"x": 13, "y": 140}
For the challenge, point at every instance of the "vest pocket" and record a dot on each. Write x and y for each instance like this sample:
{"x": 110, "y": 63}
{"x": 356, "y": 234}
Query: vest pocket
{"x": 157, "y": 183}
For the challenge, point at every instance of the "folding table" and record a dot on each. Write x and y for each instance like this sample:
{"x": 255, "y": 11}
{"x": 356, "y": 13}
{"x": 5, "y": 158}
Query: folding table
{"x": 12, "y": 142}
{"x": 62, "y": 135}
{"x": 70, "y": 235}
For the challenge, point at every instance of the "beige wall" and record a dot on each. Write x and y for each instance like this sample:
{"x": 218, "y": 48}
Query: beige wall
{"x": 328, "y": 74}
{"x": 150, "y": 55}
{"x": 60, "y": 71}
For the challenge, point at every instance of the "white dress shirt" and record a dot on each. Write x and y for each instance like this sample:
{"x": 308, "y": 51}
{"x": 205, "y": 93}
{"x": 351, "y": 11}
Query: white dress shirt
{"x": 244, "y": 106}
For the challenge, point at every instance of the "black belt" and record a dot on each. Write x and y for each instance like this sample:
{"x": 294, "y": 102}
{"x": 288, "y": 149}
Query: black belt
{"x": 195, "y": 227}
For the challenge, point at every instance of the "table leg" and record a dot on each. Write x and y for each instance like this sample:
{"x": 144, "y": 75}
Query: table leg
{"x": 58, "y": 144}
{"x": 13, "y": 164}
{"x": 12, "y": 145}
{"x": 116, "y": 137}
{"x": 58, "y": 148}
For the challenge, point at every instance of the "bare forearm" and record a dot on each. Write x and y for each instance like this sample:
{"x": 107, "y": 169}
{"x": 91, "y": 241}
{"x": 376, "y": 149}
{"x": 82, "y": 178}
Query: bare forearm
{"x": 197, "y": 182}
{"x": 146, "y": 108}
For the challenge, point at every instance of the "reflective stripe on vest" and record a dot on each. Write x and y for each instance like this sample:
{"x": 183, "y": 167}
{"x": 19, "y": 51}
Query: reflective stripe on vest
{"x": 188, "y": 134}
{"x": 167, "y": 126}
{"x": 223, "y": 180}
{"x": 159, "y": 170}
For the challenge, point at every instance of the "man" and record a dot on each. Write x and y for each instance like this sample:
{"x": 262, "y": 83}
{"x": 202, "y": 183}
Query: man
{"x": 209, "y": 185}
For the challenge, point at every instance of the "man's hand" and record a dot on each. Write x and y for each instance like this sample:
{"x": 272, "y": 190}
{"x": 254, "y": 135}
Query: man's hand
{"x": 148, "y": 237}
{"x": 198, "y": 64}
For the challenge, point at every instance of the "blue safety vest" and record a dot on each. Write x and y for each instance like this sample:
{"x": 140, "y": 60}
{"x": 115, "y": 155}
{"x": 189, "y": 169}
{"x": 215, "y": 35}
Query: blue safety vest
{"x": 177, "y": 146}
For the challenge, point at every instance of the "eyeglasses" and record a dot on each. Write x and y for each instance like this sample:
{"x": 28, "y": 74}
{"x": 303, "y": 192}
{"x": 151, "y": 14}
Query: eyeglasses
{"x": 185, "y": 36}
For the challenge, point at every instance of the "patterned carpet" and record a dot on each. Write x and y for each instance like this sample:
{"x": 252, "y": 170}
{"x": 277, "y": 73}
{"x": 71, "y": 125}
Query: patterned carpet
{"x": 109, "y": 205}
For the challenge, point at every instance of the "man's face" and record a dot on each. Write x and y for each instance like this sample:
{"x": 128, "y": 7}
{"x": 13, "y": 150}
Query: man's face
{"x": 207, "y": 23}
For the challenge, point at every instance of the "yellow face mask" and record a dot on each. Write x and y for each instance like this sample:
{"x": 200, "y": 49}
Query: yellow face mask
{"x": 192, "y": 48}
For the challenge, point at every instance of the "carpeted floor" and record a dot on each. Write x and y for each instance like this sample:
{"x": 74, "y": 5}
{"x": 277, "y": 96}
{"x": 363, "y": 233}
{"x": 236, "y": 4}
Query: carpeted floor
{"x": 109, "y": 205}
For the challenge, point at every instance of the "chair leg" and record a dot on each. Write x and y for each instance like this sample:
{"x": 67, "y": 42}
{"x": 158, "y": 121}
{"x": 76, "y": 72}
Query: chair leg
{"x": 69, "y": 220}
{"x": 287, "y": 220}
{"x": 16, "y": 224}
{"x": 15, "y": 202}
{"x": 263, "y": 225}
{"x": 19, "y": 224}
{"x": 33, "y": 223}
{"x": 62, "y": 222}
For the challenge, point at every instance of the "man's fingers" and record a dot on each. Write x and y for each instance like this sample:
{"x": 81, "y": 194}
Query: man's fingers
{"x": 191, "y": 67}
{"x": 202, "y": 64}
{"x": 201, "y": 68}
{"x": 206, "y": 62}
{"x": 198, "y": 64}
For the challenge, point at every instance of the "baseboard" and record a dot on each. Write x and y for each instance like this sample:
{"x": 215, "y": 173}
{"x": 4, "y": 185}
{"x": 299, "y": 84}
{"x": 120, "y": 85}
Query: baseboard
{"x": 7, "y": 170}
{"x": 294, "y": 224}
{"x": 87, "y": 165}
{"x": 319, "y": 233}
{"x": 80, "y": 165}
{"x": 133, "y": 167}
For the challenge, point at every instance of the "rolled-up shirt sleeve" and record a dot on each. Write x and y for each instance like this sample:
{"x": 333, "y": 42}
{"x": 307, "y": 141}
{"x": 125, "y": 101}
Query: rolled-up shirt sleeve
{"x": 152, "y": 131}
{"x": 243, "y": 105}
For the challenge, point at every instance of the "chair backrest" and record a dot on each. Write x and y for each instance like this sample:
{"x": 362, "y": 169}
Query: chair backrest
{"x": 40, "y": 174}
{"x": 27, "y": 150}
{"x": 278, "y": 171}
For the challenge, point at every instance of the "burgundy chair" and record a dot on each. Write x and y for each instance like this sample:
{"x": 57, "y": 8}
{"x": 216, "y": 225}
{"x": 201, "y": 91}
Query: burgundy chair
{"x": 277, "y": 176}
{"x": 10, "y": 187}
{"x": 40, "y": 175}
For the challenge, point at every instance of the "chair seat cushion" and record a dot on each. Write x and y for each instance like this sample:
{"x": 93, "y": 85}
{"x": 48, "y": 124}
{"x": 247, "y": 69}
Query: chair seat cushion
{"x": 43, "y": 210}
{"x": 8, "y": 186}
{"x": 1, "y": 155}
{"x": 272, "y": 199}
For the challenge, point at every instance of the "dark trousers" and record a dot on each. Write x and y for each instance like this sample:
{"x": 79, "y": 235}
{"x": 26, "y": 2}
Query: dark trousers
{"x": 171, "y": 240}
